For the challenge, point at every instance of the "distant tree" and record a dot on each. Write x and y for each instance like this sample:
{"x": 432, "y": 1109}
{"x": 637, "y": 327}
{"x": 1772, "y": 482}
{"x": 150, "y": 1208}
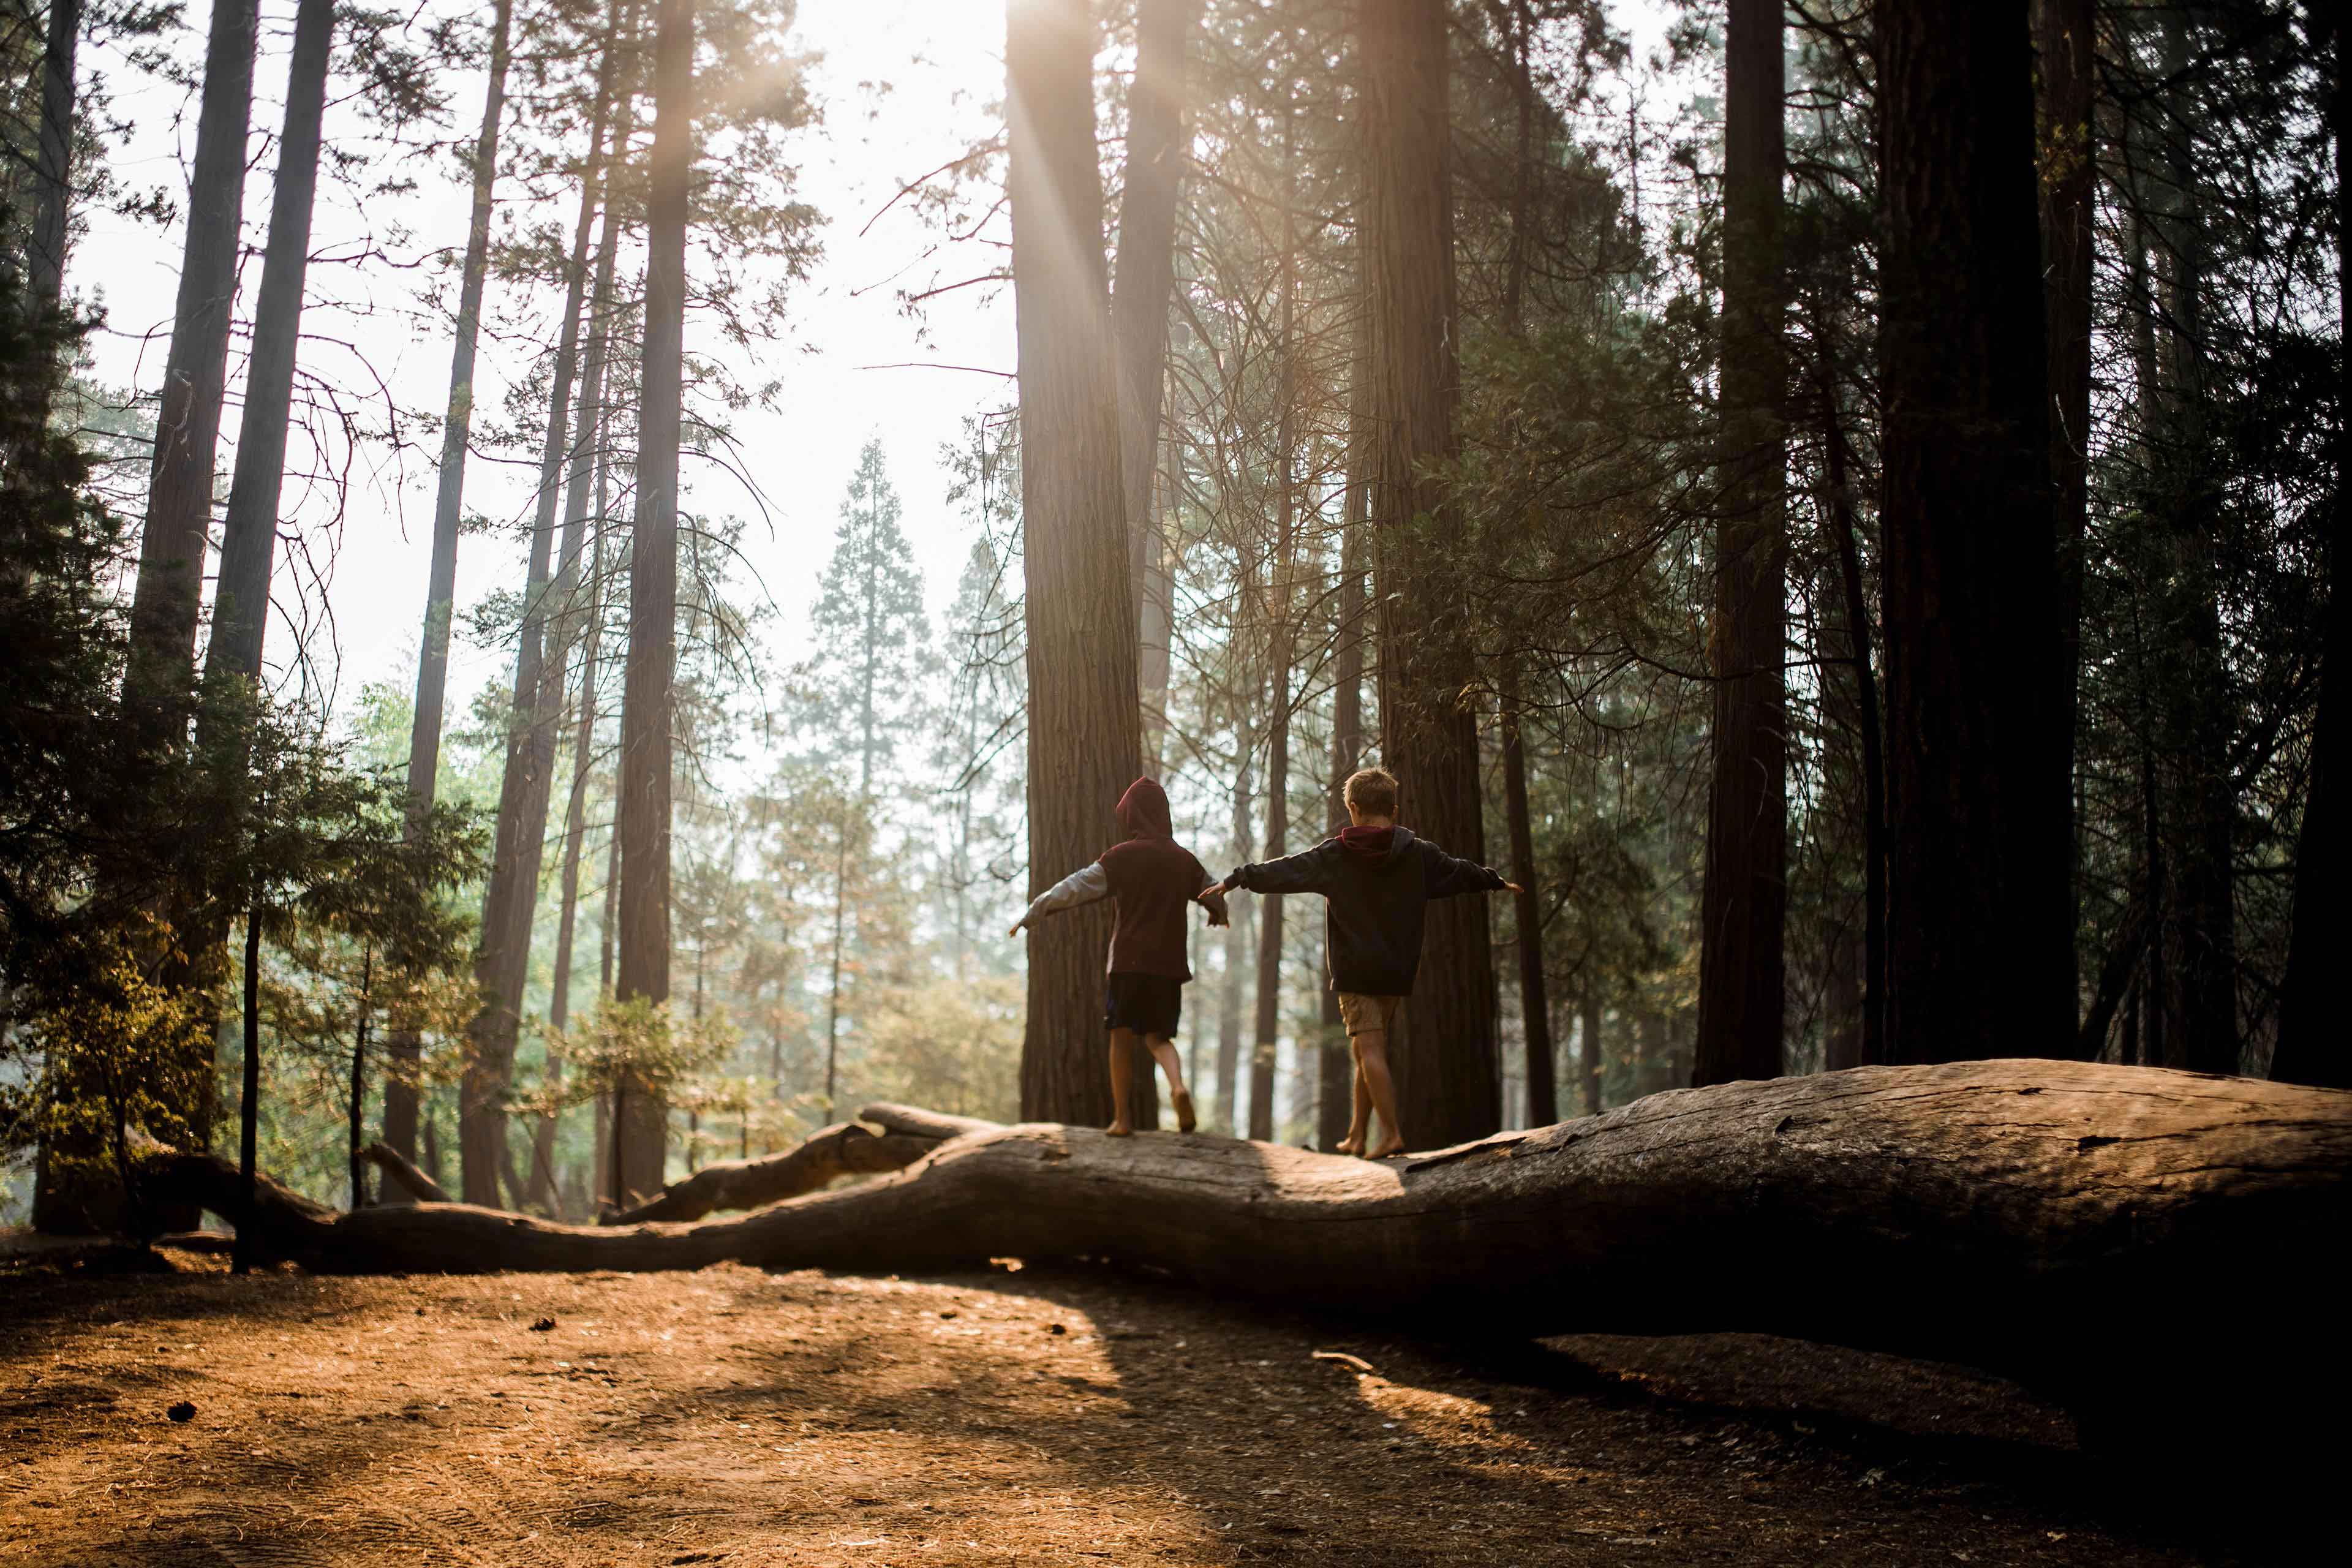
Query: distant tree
{"x": 441, "y": 577}
{"x": 1744, "y": 905}
{"x": 2311, "y": 1047}
{"x": 865, "y": 696}
{"x": 643, "y": 826}
{"x": 52, "y": 174}
{"x": 1143, "y": 287}
{"x": 510, "y": 900}
{"x": 170, "y": 589}
{"x": 978, "y": 753}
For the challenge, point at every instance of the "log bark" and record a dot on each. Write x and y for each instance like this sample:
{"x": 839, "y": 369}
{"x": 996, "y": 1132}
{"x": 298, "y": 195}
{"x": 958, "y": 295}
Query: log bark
{"x": 1998, "y": 1211}
{"x": 1993, "y": 1213}
{"x": 421, "y": 1187}
{"x": 846, "y": 1150}
{"x": 2008, "y": 1215}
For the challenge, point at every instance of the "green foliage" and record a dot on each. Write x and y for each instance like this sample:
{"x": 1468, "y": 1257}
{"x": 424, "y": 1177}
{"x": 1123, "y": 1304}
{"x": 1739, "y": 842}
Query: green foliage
{"x": 635, "y": 1046}
{"x": 103, "y": 1057}
{"x": 951, "y": 1043}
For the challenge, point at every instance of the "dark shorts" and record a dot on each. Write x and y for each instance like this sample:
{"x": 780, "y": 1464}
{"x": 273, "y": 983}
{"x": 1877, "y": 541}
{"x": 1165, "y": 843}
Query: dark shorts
{"x": 1147, "y": 1004}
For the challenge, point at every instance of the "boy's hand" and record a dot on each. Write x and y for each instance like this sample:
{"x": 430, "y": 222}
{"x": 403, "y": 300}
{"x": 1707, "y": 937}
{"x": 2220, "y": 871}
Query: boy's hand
{"x": 1016, "y": 926}
{"x": 1513, "y": 887}
{"x": 1213, "y": 900}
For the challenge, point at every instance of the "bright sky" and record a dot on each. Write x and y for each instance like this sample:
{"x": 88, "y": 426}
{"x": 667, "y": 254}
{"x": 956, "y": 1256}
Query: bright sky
{"x": 903, "y": 85}
{"x": 942, "y": 65}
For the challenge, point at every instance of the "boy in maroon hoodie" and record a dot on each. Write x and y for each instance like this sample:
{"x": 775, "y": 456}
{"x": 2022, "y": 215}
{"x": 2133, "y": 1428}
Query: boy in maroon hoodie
{"x": 1154, "y": 879}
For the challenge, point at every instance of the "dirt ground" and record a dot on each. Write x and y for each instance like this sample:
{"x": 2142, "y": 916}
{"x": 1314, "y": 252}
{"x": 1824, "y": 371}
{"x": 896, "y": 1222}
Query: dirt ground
{"x": 737, "y": 1418}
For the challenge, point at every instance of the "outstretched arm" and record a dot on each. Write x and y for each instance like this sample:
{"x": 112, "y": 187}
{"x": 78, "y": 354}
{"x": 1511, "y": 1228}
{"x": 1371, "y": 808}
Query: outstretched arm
{"x": 1308, "y": 871}
{"x": 1087, "y": 885}
{"x": 1212, "y": 897}
{"x": 1450, "y": 874}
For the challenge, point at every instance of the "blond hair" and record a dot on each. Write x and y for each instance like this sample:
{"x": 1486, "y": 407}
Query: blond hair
{"x": 1373, "y": 791}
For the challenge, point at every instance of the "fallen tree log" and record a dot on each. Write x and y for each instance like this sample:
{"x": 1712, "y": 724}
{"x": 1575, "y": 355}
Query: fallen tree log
{"x": 2095, "y": 1230}
{"x": 850, "y": 1148}
{"x": 390, "y": 1161}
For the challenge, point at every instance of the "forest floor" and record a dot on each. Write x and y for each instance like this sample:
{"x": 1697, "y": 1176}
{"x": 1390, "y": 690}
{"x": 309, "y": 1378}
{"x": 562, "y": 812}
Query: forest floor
{"x": 737, "y": 1418}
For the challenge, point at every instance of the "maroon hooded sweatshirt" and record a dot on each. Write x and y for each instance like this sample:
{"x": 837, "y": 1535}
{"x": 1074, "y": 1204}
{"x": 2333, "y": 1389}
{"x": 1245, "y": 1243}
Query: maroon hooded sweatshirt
{"x": 1153, "y": 881}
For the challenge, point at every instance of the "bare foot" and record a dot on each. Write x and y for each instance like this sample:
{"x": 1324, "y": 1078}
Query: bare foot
{"x": 1353, "y": 1143}
{"x": 1388, "y": 1151}
{"x": 1185, "y": 1122}
{"x": 1119, "y": 1130}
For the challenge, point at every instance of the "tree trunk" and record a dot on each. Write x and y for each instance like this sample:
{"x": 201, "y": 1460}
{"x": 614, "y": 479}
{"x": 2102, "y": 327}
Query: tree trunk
{"x": 249, "y": 534}
{"x": 355, "y": 1121}
{"x": 2312, "y": 1048}
{"x": 559, "y": 1001}
{"x": 511, "y": 898}
{"x": 1543, "y": 1107}
{"x": 1872, "y": 1039}
{"x": 1270, "y": 912}
{"x": 400, "y": 1095}
{"x": 249, "y": 1109}
{"x": 1336, "y": 1101}
{"x": 2066, "y": 39}
{"x": 1745, "y": 898}
{"x": 1543, "y": 1100}
{"x": 1956, "y": 1213}
{"x": 167, "y": 601}
{"x": 249, "y": 530}
{"x": 644, "y": 818}
{"x": 1447, "y": 1084}
{"x": 833, "y": 971}
{"x": 1145, "y": 278}
{"x": 2199, "y": 806}
{"x": 1084, "y": 738}
{"x": 1229, "y": 997}
{"x": 1280, "y": 633}
{"x": 1978, "y": 798}
{"x": 45, "y": 259}
{"x": 1589, "y": 1051}
{"x": 159, "y": 669}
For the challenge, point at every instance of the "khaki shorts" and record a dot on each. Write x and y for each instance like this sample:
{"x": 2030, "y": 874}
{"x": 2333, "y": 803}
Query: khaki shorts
{"x": 1365, "y": 1014}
